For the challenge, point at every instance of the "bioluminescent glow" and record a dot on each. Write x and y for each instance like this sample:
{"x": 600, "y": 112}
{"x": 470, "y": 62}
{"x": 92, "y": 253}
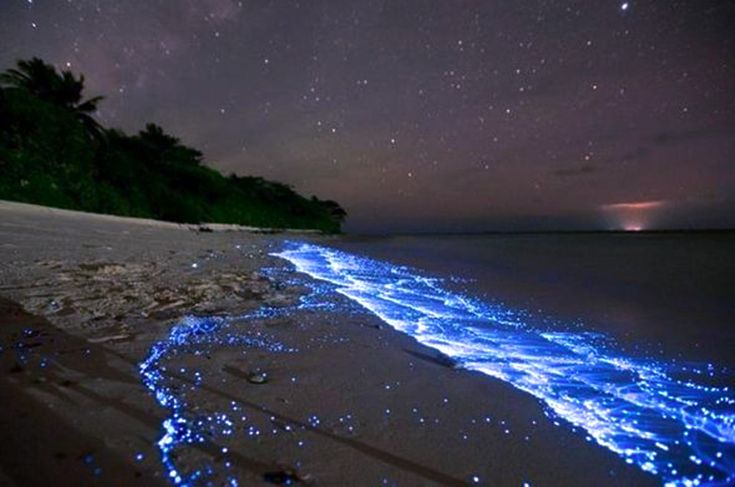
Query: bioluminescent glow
{"x": 666, "y": 419}
{"x": 171, "y": 389}
{"x": 180, "y": 390}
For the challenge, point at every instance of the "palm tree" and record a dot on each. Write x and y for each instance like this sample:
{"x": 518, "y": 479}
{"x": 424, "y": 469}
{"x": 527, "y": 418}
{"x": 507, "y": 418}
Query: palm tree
{"x": 167, "y": 147}
{"x": 64, "y": 90}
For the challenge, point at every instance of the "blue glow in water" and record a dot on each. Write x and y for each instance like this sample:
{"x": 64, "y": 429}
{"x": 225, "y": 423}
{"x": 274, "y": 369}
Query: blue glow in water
{"x": 183, "y": 428}
{"x": 175, "y": 388}
{"x": 658, "y": 416}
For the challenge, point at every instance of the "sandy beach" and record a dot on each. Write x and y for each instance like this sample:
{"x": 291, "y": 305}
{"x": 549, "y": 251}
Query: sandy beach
{"x": 321, "y": 394}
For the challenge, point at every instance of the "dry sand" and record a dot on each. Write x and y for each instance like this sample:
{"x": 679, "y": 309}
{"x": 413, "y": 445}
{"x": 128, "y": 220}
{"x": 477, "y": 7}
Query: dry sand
{"x": 84, "y": 297}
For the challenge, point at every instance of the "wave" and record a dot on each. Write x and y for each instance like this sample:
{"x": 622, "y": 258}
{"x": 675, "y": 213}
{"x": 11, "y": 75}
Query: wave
{"x": 665, "y": 418}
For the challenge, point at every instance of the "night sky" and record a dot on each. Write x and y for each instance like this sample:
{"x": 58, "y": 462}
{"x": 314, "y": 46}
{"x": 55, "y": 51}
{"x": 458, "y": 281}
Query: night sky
{"x": 426, "y": 115}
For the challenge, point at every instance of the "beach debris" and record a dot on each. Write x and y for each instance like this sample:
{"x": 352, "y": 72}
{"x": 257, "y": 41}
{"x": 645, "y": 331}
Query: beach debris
{"x": 108, "y": 338}
{"x": 258, "y": 378}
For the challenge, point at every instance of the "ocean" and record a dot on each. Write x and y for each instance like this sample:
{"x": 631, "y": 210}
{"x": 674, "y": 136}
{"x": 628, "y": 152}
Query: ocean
{"x": 671, "y": 294}
{"x": 628, "y": 337}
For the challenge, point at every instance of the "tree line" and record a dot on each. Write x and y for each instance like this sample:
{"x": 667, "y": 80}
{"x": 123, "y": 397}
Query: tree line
{"x": 54, "y": 152}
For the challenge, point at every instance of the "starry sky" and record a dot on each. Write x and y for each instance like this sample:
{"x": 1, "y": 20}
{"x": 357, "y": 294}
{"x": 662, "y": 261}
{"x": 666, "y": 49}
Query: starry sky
{"x": 426, "y": 115}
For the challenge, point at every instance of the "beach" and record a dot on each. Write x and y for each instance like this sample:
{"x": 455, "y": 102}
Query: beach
{"x": 322, "y": 393}
{"x": 357, "y": 243}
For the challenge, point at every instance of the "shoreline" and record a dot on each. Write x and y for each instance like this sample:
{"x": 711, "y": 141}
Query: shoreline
{"x": 31, "y": 209}
{"x": 98, "y": 294}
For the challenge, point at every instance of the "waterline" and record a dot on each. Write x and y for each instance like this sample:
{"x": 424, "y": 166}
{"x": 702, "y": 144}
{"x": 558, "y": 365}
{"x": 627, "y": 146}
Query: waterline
{"x": 664, "y": 418}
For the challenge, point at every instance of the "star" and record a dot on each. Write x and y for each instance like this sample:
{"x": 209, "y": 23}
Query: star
{"x": 495, "y": 82}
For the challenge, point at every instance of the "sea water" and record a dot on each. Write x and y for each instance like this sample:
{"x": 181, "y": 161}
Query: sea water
{"x": 626, "y": 337}
{"x": 667, "y": 294}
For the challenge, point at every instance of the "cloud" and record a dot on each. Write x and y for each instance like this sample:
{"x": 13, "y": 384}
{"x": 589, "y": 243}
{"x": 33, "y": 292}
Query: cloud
{"x": 635, "y": 205}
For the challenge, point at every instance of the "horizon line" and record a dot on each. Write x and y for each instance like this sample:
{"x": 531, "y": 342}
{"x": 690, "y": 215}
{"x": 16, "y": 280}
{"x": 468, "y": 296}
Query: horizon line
{"x": 542, "y": 232}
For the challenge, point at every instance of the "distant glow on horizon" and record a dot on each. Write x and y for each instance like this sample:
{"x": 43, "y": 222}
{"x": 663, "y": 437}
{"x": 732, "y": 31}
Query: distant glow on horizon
{"x": 639, "y": 205}
{"x": 662, "y": 417}
{"x": 633, "y": 216}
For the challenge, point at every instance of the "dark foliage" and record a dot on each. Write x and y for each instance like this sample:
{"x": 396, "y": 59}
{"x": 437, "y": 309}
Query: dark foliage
{"x": 53, "y": 152}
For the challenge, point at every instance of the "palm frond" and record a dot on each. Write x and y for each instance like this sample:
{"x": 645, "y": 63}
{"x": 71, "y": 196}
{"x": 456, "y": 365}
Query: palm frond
{"x": 90, "y": 105}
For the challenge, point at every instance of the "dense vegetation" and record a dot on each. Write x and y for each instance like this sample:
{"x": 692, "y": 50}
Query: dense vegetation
{"x": 53, "y": 152}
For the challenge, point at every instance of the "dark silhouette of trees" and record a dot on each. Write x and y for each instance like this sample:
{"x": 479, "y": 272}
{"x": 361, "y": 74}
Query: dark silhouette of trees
{"x": 168, "y": 147}
{"x": 62, "y": 89}
{"x": 53, "y": 152}
{"x": 335, "y": 210}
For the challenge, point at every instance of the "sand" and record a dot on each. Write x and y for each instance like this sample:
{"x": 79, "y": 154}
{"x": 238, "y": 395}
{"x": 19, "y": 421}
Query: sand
{"x": 348, "y": 401}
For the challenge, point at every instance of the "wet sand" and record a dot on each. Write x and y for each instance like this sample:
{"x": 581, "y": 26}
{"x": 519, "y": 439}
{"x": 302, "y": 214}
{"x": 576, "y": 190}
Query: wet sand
{"x": 351, "y": 403}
